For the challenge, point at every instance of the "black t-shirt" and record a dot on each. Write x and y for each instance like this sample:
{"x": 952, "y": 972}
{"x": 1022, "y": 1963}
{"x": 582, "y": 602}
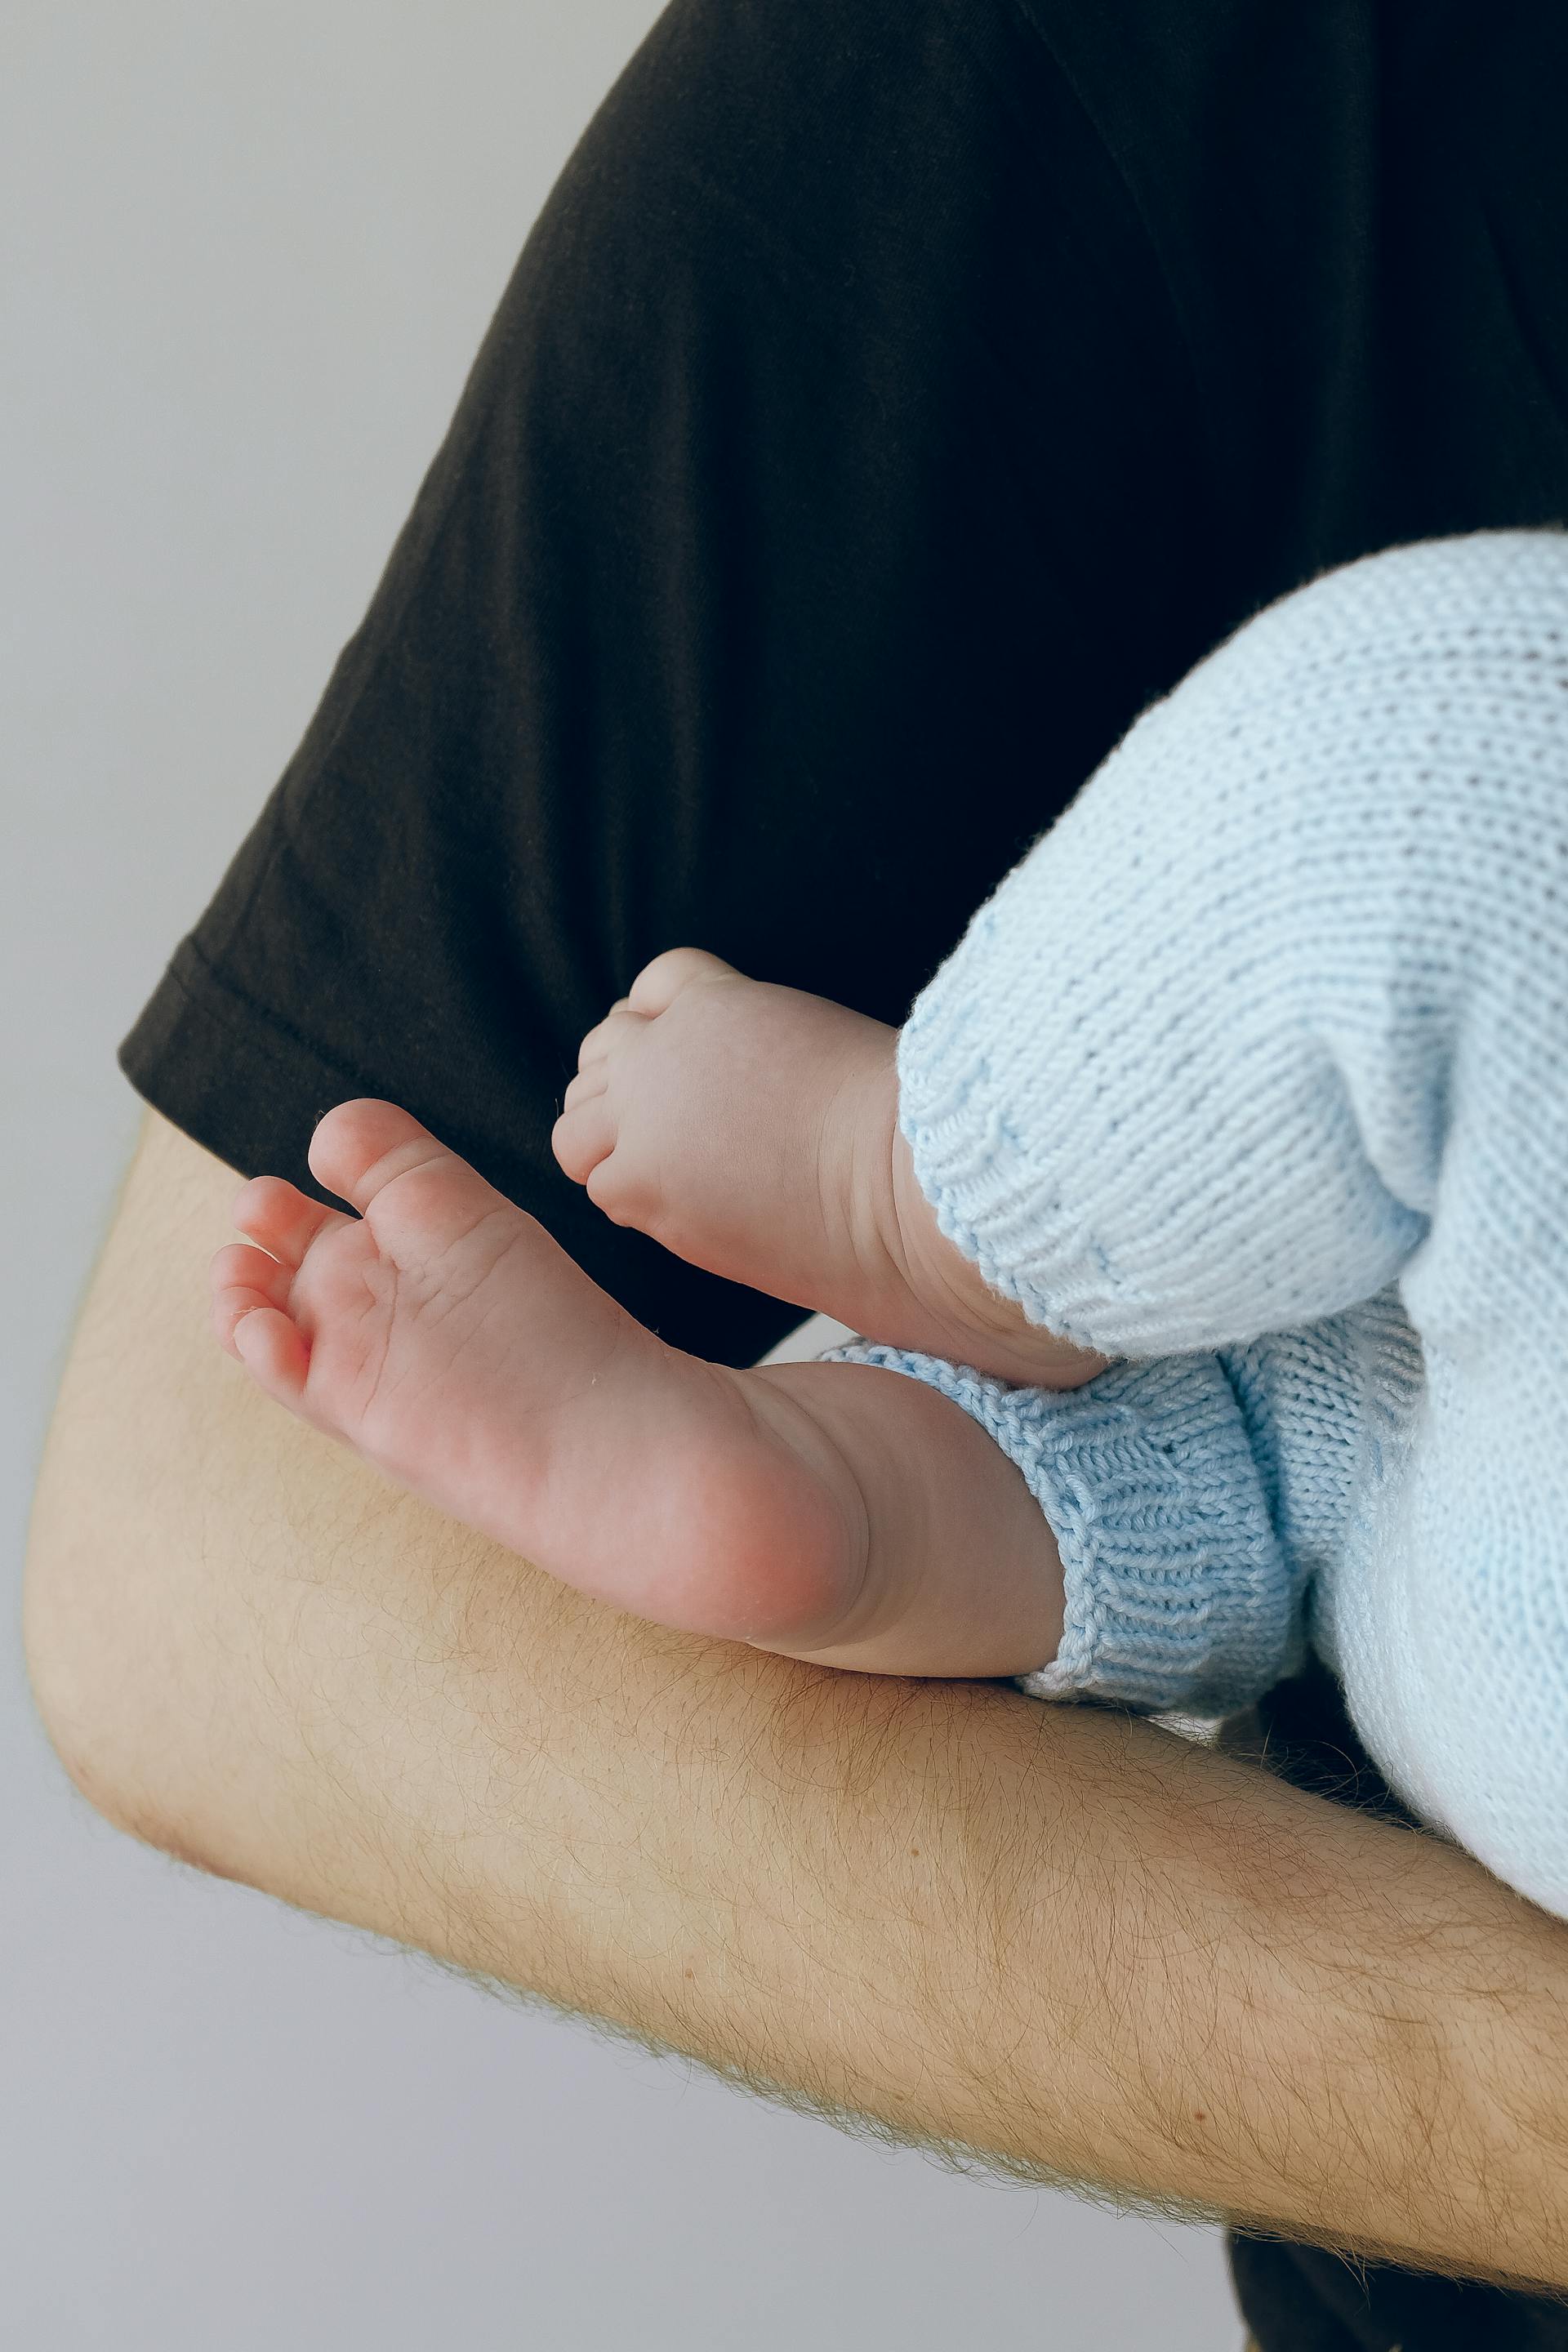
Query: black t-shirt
{"x": 893, "y": 398}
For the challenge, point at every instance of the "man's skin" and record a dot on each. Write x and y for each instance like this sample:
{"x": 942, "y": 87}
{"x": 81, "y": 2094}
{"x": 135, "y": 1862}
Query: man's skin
{"x": 1054, "y": 1934}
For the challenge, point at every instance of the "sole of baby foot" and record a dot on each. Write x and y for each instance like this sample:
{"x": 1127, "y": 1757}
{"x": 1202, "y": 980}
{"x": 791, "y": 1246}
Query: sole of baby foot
{"x": 752, "y": 1130}
{"x": 442, "y": 1333}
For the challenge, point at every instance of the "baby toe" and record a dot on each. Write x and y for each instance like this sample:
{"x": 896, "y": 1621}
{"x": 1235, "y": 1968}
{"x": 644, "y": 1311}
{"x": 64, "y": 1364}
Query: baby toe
{"x": 272, "y": 1352}
{"x": 627, "y": 1194}
{"x": 601, "y": 1041}
{"x": 584, "y": 1135}
{"x": 280, "y": 1218}
{"x": 243, "y": 1279}
{"x": 659, "y": 983}
{"x": 359, "y": 1147}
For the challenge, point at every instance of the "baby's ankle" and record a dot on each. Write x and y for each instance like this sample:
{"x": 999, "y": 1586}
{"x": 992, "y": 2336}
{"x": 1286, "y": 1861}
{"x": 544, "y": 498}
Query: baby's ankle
{"x": 932, "y": 1496}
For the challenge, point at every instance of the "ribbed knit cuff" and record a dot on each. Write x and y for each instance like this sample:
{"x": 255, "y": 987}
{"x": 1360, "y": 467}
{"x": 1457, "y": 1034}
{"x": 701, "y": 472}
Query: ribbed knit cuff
{"x": 1178, "y": 1599}
{"x": 994, "y": 1195}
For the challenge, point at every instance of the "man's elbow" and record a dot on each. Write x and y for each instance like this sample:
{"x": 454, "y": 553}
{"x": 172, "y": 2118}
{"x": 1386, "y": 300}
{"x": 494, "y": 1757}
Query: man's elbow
{"x": 119, "y": 1504}
{"x": 75, "y": 1658}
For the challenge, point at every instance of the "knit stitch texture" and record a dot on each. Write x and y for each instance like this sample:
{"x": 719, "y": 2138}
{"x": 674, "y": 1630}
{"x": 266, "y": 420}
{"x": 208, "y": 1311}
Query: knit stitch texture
{"x": 1254, "y": 1074}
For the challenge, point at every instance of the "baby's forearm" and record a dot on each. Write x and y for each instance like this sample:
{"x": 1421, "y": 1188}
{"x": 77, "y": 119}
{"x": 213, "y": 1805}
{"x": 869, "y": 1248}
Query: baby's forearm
{"x": 963, "y": 1577}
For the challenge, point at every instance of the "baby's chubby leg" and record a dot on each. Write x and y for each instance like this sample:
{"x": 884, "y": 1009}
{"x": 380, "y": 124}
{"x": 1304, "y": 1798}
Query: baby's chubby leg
{"x": 754, "y": 1131}
{"x": 836, "y": 1512}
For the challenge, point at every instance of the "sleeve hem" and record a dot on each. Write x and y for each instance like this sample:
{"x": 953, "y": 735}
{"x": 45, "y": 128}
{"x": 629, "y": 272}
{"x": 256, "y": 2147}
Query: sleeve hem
{"x": 181, "y": 1056}
{"x": 1177, "y": 1596}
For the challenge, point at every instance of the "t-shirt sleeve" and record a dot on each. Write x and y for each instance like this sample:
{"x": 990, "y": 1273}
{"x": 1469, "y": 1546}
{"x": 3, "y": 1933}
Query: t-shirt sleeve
{"x": 835, "y": 428}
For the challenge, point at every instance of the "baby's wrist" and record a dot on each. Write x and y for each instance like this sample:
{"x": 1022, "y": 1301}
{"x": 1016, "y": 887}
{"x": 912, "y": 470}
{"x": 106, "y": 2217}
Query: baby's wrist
{"x": 1002, "y": 1341}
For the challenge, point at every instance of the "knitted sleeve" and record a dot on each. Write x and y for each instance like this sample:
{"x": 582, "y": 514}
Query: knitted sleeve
{"x": 1275, "y": 1019}
{"x": 1193, "y": 1500}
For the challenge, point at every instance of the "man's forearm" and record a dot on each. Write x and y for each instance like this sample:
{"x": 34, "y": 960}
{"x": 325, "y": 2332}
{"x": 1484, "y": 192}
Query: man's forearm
{"x": 1051, "y": 1934}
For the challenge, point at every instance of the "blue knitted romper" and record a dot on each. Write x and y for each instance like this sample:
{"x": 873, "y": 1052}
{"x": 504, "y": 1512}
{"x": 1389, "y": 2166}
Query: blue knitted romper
{"x": 1254, "y": 1074}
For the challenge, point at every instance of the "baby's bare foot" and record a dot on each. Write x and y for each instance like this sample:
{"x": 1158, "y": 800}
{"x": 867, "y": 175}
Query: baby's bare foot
{"x": 828, "y": 1511}
{"x": 754, "y": 1131}
{"x": 444, "y": 1336}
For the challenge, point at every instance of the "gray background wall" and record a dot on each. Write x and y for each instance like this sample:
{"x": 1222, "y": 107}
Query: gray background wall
{"x": 247, "y": 253}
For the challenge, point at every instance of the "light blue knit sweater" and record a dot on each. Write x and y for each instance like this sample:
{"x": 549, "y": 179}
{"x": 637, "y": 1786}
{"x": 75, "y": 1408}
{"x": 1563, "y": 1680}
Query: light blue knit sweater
{"x": 1255, "y": 1075}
